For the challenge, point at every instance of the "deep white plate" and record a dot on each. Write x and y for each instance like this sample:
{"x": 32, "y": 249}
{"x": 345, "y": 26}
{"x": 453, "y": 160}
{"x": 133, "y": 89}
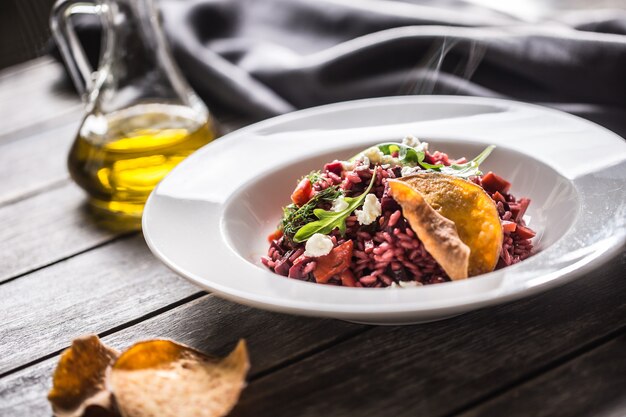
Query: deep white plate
{"x": 208, "y": 220}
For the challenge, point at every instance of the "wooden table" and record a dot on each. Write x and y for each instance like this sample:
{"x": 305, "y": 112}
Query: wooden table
{"x": 560, "y": 353}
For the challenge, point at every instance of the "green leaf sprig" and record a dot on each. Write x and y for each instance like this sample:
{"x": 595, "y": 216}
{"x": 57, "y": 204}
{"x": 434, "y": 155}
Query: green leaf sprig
{"x": 330, "y": 220}
{"x": 470, "y": 168}
{"x": 409, "y": 156}
{"x": 295, "y": 217}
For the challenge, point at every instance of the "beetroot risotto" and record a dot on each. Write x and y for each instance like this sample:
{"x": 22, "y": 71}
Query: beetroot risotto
{"x": 397, "y": 214}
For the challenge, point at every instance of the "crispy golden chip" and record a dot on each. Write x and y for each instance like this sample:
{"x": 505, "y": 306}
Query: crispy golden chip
{"x": 165, "y": 379}
{"x": 78, "y": 384}
{"x": 438, "y": 234}
{"x": 471, "y": 209}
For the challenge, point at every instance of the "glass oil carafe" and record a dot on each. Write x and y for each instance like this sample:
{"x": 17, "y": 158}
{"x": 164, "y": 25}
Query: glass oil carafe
{"x": 141, "y": 117}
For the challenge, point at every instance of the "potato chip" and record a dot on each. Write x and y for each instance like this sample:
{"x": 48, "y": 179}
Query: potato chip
{"x": 78, "y": 384}
{"x": 471, "y": 209}
{"x": 165, "y": 379}
{"x": 438, "y": 234}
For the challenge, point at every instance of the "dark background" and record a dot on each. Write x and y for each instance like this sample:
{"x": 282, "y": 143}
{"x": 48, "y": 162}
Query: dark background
{"x": 25, "y": 33}
{"x": 24, "y": 30}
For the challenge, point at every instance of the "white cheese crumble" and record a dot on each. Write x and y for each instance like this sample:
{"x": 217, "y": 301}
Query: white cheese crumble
{"x": 408, "y": 170}
{"x": 318, "y": 245}
{"x": 405, "y": 284}
{"x": 347, "y": 165}
{"x": 374, "y": 155}
{"x": 339, "y": 204}
{"x": 371, "y": 210}
{"x": 414, "y": 142}
{"x": 365, "y": 163}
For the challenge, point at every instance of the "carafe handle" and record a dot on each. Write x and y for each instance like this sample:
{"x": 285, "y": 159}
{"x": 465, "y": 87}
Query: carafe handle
{"x": 71, "y": 50}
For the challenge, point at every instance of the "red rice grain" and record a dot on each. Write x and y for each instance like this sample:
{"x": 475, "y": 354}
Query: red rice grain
{"x": 388, "y": 251}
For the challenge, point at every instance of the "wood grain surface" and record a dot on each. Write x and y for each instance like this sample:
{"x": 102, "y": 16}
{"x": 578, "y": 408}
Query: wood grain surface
{"x": 32, "y": 99}
{"x": 90, "y": 293}
{"x": 440, "y": 368}
{"x": 589, "y": 385}
{"x": 209, "y": 324}
{"x": 36, "y": 163}
{"x": 61, "y": 276}
{"x": 44, "y": 229}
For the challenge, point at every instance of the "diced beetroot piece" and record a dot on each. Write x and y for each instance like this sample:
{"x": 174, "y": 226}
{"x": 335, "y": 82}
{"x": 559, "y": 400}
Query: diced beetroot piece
{"x": 525, "y": 232}
{"x": 506, "y": 257}
{"x": 281, "y": 267}
{"x": 337, "y": 261}
{"x": 514, "y": 208}
{"x": 523, "y": 206}
{"x": 335, "y": 167}
{"x": 303, "y": 192}
{"x": 498, "y": 197}
{"x": 508, "y": 227}
{"x": 347, "y": 278}
{"x": 297, "y": 269}
{"x": 275, "y": 235}
{"x": 387, "y": 203}
{"x": 492, "y": 183}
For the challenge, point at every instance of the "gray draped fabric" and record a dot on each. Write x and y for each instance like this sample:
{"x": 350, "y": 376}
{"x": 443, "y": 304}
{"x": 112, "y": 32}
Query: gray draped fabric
{"x": 259, "y": 58}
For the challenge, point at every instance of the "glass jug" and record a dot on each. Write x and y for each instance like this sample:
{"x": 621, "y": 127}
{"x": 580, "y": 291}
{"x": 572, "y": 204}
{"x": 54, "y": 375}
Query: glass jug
{"x": 141, "y": 116}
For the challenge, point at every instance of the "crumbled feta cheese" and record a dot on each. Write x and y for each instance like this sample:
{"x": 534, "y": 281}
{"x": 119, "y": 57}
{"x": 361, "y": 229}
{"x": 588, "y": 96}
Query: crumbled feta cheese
{"x": 405, "y": 284}
{"x": 374, "y": 155}
{"x": 371, "y": 210}
{"x": 414, "y": 142}
{"x": 365, "y": 163}
{"x": 408, "y": 170}
{"x": 347, "y": 166}
{"x": 318, "y": 245}
{"x": 389, "y": 160}
{"x": 339, "y": 204}
{"x": 411, "y": 141}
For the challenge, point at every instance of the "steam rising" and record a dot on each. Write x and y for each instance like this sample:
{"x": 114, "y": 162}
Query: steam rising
{"x": 428, "y": 75}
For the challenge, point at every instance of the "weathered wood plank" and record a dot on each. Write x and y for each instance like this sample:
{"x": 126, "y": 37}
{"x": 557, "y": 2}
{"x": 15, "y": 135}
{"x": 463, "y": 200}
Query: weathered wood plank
{"x": 34, "y": 163}
{"x": 89, "y": 293}
{"x": 31, "y": 99}
{"x": 590, "y": 385}
{"x": 209, "y": 324}
{"x": 44, "y": 229}
{"x": 435, "y": 369}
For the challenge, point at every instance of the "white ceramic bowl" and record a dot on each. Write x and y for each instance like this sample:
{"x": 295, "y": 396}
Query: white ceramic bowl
{"x": 209, "y": 219}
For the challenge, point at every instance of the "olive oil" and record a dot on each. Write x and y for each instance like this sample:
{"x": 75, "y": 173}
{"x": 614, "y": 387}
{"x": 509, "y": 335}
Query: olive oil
{"x": 120, "y": 157}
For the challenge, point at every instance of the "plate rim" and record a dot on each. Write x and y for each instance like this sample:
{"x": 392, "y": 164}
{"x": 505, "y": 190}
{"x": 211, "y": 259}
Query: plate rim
{"x": 330, "y": 310}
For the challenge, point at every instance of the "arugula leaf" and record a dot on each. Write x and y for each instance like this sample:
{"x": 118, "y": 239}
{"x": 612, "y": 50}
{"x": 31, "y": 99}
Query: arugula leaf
{"x": 295, "y": 217}
{"x": 469, "y": 168}
{"x": 313, "y": 176}
{"x": 409, "y": 156}
{"x": 329, "y": 220}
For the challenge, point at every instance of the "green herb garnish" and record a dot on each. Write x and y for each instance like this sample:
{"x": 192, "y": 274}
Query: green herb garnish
{"x": 409, "y": 156}
{"x": 314, "y": 176}
{"x": 469, "y": 168}
{"x": 295, "y": 217}
{"x": 329, "y": 220}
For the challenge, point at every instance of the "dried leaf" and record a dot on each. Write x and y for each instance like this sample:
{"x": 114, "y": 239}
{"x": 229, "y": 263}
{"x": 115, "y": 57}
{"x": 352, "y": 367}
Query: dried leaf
{"x": 438, "y": 234}
{"x": 165, "y": 379}
{"x": 78, "y": 386}
{"x": 471, "y": 209}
